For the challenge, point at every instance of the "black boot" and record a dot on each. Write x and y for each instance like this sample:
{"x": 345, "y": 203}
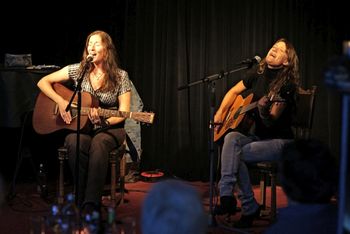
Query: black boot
{"x": 246, "y": 221}
{"x": 227, "y": 206}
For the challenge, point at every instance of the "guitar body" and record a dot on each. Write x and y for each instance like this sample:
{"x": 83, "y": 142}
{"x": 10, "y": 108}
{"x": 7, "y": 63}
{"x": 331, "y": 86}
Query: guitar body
{"x": 46, "y": 116}
{"x": 234, "y": 116}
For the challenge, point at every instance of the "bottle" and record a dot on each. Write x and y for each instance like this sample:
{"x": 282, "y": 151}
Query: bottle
{"x": 42, "y": 182}
{"x": 54, "y": 220}
{"x": 70, "y": 213}
{"x": 111, "y": 226}
{"x": 91, "y": 223}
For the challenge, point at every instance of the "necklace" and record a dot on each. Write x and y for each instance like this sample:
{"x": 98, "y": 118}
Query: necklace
{"x": 98, "y": 76}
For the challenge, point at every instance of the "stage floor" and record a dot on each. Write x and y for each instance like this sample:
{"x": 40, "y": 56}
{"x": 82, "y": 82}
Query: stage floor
{"x": 25, "y": 209}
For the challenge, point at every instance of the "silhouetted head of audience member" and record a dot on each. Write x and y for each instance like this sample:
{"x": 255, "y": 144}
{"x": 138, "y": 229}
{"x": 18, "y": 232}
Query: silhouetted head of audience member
{"x": 172, "y": 206}
{"x": 308, "y": 171}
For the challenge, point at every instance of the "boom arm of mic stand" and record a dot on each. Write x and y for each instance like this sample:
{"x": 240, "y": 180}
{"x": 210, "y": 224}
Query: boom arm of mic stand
{"x": 213, "y": 77}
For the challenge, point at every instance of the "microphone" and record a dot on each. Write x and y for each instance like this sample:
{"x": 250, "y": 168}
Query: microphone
{"x": 250, "y": 62}
{"x": 89, "y": 58}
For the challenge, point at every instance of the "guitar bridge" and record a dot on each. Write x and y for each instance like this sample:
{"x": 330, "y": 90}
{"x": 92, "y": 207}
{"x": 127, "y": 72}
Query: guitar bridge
{"x": 74, "y": 113}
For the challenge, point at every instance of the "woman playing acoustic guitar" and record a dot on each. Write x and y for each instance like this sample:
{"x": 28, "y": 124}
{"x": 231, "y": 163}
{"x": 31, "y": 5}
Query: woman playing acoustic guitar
{"x": 110, "y": 85}
{"x": 277, "y": 75}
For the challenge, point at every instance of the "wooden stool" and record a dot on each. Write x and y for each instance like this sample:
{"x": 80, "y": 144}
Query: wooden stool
{"x": 114, "y": 156}
{"x": 268, "y": 171}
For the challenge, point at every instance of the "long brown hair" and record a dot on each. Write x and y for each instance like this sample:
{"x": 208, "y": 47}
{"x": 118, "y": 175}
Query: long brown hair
{"x": 289, "y": 73}
{"x": 110, "y": 61}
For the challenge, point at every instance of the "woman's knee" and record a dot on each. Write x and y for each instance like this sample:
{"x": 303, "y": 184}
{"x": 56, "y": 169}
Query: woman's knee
{"x": 70, "y": 140}
{"x": 113, "y": 137}
{"x": 232, "y": 137}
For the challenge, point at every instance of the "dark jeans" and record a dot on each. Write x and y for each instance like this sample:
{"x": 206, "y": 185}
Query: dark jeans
{"x": 93, "y": 162}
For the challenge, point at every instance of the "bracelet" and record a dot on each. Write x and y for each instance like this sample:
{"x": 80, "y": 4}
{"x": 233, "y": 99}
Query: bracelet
{"x": 106, "y": 122}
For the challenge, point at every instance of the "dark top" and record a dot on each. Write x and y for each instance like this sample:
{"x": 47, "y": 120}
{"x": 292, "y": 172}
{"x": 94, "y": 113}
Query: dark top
{"x": 258, "y": 84}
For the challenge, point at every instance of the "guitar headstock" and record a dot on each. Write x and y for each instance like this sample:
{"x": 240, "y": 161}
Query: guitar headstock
{"x": 143, "y": 117}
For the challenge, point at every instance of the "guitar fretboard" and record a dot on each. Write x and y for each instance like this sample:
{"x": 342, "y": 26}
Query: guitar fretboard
{"x": 248, "y": 107}
{"x": 108, "y": 113}
{"x": 144, "y": 117}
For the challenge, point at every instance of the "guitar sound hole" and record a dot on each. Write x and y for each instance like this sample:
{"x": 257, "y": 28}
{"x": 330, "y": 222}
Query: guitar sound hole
{"x": 238, "y": 112}
{"x": 74, "y": 113}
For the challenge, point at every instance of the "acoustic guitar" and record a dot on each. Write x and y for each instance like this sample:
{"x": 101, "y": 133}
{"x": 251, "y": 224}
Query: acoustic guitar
{"x": 47, "y": 119}
{"x": 234, "y": 117}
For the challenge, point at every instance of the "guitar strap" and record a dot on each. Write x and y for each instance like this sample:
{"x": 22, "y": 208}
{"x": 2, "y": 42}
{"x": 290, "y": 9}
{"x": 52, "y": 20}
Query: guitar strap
{"x": 132, "y": 150}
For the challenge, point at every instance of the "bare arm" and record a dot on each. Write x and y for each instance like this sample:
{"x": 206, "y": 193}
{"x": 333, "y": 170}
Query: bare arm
{"x": 45, "y": 85}
{"x": 227, "y": 100}
{"x": 124, "y": 105}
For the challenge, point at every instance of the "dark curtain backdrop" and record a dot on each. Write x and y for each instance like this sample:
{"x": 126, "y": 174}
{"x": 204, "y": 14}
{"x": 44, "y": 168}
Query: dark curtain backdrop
{"x": 167, "y": 44}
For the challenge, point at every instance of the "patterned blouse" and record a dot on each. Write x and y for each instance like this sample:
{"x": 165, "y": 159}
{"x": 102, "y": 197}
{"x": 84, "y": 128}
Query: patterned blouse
{"x": 107, "y": 99}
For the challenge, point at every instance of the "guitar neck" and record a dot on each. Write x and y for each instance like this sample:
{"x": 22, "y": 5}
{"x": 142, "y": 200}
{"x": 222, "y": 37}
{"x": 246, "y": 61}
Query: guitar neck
{"x": 106, "y": 113}
{"x": 248, "y": 107}
{"x": 255, "y": 104}
{"x": 144, "y": 117}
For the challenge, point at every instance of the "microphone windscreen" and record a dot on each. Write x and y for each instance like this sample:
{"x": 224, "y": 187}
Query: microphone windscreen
{"x": 89, "y": 58}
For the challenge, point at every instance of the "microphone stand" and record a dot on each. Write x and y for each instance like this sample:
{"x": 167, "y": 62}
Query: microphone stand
{"x": 342, "y": 86}
{"x": 213, "y": 77}
{"x": 77, "y": 90}
{"x": 211, "y": 84}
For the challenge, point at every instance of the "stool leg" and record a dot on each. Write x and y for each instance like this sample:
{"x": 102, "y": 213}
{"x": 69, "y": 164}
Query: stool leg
{"x": 122, "y": 178}
{"x": 113, "y": 181}
{"x": 273, "y": 197}
{"x": 263, "y": 189}
{"x": 114, "y": 155}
